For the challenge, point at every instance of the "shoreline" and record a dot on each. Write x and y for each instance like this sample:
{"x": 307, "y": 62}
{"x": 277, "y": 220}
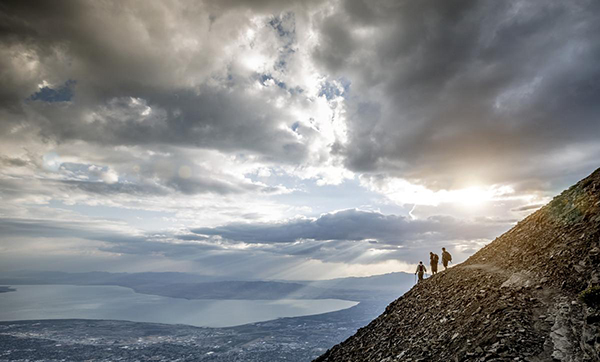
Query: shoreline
{"x": 4, "y": 289}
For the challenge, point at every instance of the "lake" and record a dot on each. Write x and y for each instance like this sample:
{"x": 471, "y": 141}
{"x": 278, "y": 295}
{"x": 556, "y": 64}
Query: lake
{"x": 119, "y": 303}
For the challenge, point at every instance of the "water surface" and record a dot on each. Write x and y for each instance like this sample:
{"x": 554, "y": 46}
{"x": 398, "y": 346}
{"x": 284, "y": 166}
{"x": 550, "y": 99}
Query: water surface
{"x": 119, "y": 303}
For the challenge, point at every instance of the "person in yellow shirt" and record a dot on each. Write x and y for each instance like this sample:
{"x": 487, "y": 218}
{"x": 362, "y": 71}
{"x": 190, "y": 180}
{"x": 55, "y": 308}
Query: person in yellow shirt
{"x": 446, "y": 257}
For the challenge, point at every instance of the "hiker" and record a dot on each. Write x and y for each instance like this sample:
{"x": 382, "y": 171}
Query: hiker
{"x": 420, "y": 270}
{"x": 446, "y": 257}
{"x": 433, "y": 261}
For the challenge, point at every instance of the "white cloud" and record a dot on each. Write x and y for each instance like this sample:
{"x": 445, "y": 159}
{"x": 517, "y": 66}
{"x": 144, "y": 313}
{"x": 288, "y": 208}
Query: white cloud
{"x": 404, "y": 192}
{"x": 110, "y": 177}
{"x": 260, "y": 115}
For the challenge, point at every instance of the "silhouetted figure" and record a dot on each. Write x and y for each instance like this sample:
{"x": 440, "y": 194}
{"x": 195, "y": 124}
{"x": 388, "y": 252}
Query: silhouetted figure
{"x": 420, "y": 270}
{"x": 446, "y": 258}
{"x": 433, "y": 261}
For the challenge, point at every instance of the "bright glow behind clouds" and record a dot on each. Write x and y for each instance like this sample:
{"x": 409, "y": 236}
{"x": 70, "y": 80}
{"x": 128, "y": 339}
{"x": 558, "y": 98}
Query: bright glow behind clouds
{"x": 287, "y": 140}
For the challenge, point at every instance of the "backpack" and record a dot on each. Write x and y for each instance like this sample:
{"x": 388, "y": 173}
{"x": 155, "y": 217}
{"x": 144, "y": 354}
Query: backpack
{"x": 448, "y": 256}
{"x": 436, "y": 258}
{"x": 421, "y": 267}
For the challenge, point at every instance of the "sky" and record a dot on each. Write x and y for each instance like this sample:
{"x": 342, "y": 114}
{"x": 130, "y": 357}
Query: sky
{"x": 286, "y": 139}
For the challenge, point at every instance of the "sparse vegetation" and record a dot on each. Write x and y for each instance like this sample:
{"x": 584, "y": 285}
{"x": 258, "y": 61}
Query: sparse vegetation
{"x": 591, "y": 297}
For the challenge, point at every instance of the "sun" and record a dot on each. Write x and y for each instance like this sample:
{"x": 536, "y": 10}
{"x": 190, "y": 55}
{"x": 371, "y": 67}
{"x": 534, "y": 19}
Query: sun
{"x": 473, "y": 196}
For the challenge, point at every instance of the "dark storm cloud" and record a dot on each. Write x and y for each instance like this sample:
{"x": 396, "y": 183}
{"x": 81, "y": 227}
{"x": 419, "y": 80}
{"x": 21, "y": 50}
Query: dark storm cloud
{"x": 399, "y": 239}
{"x": 215, "y": 119}
{"x": 116, "y": 241}
{"x": 10, "y": 161}
{"x": 359, "y": 225}
{"x": 361, "y": 237}
{"x": 144, "y": 105}
{"x": 446, "y": 88}
{"x": 105, "y": 189}
{"x": 439, "y": 89}
{"x": 20, "y": 188}
{"x": 198, "y": 185}
{"x": 127, "y": 59}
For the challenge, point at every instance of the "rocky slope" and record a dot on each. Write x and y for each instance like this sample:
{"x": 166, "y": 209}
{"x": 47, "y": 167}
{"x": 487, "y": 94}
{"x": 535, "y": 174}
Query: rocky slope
{"x": 514, "y": 300}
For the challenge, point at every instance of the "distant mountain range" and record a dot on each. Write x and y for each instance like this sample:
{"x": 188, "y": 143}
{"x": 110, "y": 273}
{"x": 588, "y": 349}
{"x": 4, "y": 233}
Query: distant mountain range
{"x": 383, "y": 282}
{"x": 192, "y": 286}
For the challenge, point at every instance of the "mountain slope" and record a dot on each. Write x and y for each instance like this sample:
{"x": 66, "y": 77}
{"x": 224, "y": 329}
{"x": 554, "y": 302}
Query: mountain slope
{"x": 516, "y": 299}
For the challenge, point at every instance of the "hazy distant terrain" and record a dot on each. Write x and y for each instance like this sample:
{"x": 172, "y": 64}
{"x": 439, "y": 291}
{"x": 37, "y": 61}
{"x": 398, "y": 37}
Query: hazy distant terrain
{"x": 191, "y": 286}
{"x": 109, "y": 302}
{"x": 284, "y": 339}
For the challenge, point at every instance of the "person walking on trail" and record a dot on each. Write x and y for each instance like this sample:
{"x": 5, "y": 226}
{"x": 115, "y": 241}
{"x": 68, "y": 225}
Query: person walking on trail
{"x": 420, "y": 270}
{"x": 446, "y": 257}
{"x": 433, "y": 261}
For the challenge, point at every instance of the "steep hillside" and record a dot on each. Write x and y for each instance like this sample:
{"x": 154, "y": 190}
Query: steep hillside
{"x": 514, "y": 300}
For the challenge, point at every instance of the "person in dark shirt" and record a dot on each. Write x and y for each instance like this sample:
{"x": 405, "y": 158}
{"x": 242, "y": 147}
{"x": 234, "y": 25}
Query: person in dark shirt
{"x": 433, "y": 261}
{"x": 420, "y": 271}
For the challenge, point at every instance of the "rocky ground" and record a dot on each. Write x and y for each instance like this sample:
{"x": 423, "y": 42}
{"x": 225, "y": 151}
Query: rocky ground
{"x": 514, "y": 300}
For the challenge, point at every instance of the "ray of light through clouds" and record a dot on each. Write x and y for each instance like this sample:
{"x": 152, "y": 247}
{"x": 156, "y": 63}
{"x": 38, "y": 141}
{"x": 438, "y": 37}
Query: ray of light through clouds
{"x": 286, "y": 139}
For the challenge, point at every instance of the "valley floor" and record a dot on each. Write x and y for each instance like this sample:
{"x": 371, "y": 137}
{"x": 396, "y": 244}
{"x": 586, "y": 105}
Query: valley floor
{"x": 285, "y": 339}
